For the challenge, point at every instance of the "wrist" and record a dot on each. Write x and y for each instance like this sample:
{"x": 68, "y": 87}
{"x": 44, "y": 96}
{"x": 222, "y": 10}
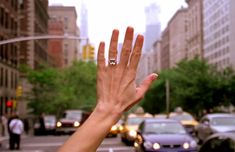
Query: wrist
{"x": 108, "y": 111}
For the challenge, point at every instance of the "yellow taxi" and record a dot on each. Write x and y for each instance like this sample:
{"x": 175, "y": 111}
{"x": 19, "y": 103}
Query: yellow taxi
{"x": 131, "y": 124}
{"x": 186, "y": 119}
{"x": 116, "y": 129}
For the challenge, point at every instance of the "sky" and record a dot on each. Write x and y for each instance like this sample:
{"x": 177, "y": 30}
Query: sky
{"x": 106, "y": 15}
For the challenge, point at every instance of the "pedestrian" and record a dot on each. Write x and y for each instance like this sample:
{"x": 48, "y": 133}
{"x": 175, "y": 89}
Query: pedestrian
{"x": 11, "y": 137}
{"x": 16, "y": 127}
{"x": 26, "y": 126}
{"x": 42, "y": 128}
{"x": 4, "y": 125}
{"x": 116, "y": 92}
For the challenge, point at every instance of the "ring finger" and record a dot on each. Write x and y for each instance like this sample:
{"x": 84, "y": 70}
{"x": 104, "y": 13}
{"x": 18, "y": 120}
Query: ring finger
{"x": 113, "y": 48}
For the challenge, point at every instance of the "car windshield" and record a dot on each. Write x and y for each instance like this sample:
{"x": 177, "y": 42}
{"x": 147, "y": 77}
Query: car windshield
{"x": 135, "y": 120}
{"x": 223, "y": 121}
{"x": 76, "y": 115}
{"x": 181, "y": 117}
{"x": 49, "y": 119}
{"x": 164, "y": 128}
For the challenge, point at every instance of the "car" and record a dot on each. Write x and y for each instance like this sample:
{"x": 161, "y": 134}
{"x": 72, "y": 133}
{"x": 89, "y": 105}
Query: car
{"x": 116, "y": 129}
{"x": 219, "y": 142}
{"x": 160, "y": 116}
{"x": 215, "y": 123}
{"x": 187, "y": 120}
{"x": 130, "y": 127}
{"x": 163, "y": 135}
{"x": 50, "y": 125}
{"x": 69, "y": 122}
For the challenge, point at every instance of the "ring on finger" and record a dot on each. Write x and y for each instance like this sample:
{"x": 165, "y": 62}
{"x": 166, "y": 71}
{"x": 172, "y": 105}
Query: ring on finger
{"x": 112, "y": 62}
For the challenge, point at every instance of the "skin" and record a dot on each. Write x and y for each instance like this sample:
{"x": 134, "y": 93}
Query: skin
{"x": 116, "y": 92}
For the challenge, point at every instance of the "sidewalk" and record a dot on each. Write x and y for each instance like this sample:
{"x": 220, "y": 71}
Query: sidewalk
{"x": 2, "y": 138}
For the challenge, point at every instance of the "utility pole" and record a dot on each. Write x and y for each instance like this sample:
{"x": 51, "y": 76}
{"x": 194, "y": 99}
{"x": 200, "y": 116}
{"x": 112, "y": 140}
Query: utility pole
{"x": 167, "y": 98}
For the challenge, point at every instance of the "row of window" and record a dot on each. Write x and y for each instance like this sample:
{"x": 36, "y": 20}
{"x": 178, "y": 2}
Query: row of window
{"x": 8, "y": 53}
{"x": 217, "y": 54}
{"x": 8, "y": 78}
{"x": 222, "y": 63}
{"x": 216, "y": 44}
{"x": 8, "y": 22}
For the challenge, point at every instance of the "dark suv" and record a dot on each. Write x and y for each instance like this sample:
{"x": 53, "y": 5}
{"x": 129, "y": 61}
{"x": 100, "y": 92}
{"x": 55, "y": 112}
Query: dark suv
{"x": 69, "y": 122}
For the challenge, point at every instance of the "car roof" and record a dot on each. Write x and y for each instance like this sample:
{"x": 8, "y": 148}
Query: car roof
{"x": 159, "y": 120}
{"x": 216, "y": 115}
{"x": 177, "y": 113}
{"x": 147, "y": 115}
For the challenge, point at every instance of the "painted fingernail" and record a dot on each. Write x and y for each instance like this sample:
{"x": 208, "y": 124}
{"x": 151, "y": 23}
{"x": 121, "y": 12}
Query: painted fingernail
{"x": 154, "y": 76}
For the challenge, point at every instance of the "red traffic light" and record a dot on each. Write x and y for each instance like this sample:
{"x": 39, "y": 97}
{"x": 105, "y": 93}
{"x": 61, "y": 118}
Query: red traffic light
{"x": 9, "y": 103}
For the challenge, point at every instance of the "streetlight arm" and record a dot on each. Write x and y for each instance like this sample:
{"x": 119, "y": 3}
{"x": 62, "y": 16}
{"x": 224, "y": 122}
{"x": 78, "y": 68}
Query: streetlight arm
{"x": 26, "y": 38}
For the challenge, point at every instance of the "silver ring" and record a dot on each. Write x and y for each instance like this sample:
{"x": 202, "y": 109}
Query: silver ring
{"x": 112, "y": 62}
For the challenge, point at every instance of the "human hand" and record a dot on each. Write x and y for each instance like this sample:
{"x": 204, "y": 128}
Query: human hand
{"x": 116, "y": 88}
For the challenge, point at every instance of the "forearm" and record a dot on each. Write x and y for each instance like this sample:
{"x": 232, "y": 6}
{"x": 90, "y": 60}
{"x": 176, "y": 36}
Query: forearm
{"x": 95, "y": 129}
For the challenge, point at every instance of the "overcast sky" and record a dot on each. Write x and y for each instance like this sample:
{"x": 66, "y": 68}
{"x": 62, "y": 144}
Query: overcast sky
{"x": 105, "y": 15}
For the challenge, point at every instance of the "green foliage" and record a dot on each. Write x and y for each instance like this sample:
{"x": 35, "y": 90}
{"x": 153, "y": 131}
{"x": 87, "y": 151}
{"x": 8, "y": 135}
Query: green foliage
{"x": 194, "y": 86}
{"x": 55, "y": 90}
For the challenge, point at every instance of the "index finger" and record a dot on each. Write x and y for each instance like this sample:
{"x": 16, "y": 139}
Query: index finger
{"x": 100, "y": 56}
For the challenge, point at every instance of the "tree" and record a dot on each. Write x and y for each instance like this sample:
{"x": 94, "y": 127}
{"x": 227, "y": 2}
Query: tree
{"x": 194, "y": 86}
{"x": 55, "y": 90}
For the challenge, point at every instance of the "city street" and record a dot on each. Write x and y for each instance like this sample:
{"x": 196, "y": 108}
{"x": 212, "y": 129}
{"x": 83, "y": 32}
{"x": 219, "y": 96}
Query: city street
{"x": 51, "y": 144}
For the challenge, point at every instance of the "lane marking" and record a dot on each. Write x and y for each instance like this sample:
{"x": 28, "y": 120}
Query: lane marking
{"x": 116, "y": 149}
{"x": 42, "y": 144}
{"x": 111, "y": 150}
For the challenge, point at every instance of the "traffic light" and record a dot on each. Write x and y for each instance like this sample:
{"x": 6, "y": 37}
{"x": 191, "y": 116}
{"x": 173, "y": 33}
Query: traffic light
{"x": 19, "y": 91}
{"x": 84, "y": 52}
{"x": 91, "y": 52}
{"x": 88, "y": 52}
{"x": 9, "y": 104}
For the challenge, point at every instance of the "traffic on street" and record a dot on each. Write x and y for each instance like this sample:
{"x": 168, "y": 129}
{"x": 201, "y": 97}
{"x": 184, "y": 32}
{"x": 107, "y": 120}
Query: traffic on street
{"x": 52, "y": 143}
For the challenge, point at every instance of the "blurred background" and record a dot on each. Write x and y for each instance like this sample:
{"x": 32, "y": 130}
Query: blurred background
{"x": 48, "y": 64}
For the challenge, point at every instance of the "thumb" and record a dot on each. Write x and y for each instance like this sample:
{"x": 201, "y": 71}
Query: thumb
{"x": 144, "y": 86}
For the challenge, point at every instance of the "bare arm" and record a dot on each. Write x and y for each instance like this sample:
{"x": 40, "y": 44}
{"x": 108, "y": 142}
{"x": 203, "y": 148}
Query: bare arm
{"x": 116, "y": 92}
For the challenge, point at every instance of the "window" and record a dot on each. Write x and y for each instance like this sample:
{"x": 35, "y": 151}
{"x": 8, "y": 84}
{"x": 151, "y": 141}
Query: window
{"x": 1, "y": 77}
{"x": 6, "y": 78}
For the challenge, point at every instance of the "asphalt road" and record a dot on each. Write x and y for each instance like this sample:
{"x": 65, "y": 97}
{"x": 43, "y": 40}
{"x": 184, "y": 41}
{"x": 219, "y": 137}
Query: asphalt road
{"x": 52, "y": 143}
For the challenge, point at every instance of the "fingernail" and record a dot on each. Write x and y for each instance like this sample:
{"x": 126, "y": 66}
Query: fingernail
{"x": 154, "y": 76}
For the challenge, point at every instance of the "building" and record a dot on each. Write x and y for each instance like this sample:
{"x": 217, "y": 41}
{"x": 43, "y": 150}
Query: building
{"x": 165, "y": 49}
{"x": 83, "y": 25}
{"x": 34, "y": 22}
{"x": 33, "y": 53}
{"x": 194, "y": 29}
{"x": 153, "y": 26}
{"x": 219, "y": 31}
{"x": 156, "y": 56}
{"x": 177, "y": 34}
{"x": 55, "y": 46}
{"x": 68, "y": 16}
{"x": 9, "y": 74}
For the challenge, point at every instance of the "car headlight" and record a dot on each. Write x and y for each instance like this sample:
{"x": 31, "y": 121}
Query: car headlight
{"x": 132, "y": 133}
{"x": 121, "y": 128}
{"x": 114, "y": 128}
{"x": 193, "y": 144}
{"x": 58, "y": 124}
{"x": 156, "y": 146}
{"x": 186, "y": 145}
{"x": 76, "y": 124}
{"x": 148, "y": 145}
